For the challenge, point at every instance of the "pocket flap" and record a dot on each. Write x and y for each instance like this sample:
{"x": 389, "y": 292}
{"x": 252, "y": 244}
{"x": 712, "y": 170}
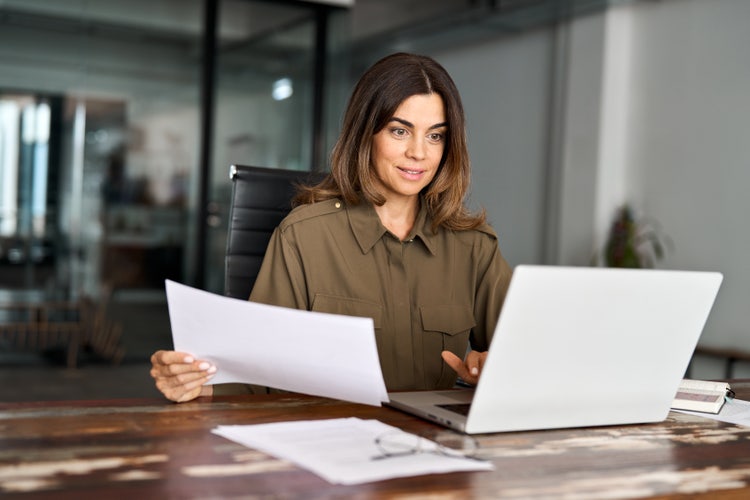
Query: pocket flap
{"x": 348, "y": 307}
{"x": 450, "y": 319}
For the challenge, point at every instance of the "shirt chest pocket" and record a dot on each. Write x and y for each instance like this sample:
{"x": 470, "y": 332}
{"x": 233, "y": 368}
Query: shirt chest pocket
{"x": 446, "y": 328}
{"x": 348, "y": 307}
{"x": 449, "y": 320}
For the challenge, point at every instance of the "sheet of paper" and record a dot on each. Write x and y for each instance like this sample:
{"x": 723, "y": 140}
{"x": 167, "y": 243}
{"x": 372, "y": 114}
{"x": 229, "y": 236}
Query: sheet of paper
{"x": 300, "y": 351}
{"x": 735, "y": 411}
{"x": 342, "y": 451}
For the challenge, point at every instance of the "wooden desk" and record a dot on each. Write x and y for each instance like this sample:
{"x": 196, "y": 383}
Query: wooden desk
{"x": 154, "y": 449}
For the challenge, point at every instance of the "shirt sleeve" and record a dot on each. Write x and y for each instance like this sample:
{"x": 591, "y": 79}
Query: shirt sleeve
{"x": 494, "y": 275}
{"x": 280, "y": 281}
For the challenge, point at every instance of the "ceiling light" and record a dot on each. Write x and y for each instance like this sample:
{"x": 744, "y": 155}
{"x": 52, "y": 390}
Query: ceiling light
{"x": 282, "y": 89}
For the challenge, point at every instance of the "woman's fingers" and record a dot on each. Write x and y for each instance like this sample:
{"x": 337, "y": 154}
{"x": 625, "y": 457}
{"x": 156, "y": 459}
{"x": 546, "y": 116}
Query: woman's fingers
{"x": 468, "y": 369}
{"x": 185, "y": 392}
{"x": 181, "y": 390}
{"x": 179, "y": 376}
{"x": 475, "y": 362}
{"x": 456, "y": 364}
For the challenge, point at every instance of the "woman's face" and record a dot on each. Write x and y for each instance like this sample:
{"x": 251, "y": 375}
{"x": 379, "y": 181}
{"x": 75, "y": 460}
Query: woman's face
{"x": 406, "y": 153}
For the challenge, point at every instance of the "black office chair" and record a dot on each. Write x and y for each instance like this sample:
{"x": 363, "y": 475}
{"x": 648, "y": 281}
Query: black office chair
{"x": 261, "y": 198}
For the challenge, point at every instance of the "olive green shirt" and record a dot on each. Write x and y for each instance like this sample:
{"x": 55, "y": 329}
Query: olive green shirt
{"x": 428, "y": 293}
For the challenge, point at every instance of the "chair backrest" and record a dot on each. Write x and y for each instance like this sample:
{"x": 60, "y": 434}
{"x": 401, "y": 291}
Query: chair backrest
{"x": 261, "y": 198}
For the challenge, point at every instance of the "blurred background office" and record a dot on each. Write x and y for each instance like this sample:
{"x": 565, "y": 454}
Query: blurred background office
{"x": 119, "y": 120}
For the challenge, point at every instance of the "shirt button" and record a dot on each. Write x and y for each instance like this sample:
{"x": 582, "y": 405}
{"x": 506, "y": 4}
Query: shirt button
{"x": 337, "y": 205}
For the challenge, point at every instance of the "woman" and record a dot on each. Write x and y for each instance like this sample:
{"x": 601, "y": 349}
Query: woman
{"x": 386, "y": 235}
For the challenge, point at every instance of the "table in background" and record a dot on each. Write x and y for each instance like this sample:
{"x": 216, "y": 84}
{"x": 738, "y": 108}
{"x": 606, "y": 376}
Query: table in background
{"x": 155, "y": 449}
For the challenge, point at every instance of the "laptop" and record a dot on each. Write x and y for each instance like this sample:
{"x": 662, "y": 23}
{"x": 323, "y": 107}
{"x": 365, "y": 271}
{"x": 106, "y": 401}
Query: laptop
{"x": 580, "y": 347}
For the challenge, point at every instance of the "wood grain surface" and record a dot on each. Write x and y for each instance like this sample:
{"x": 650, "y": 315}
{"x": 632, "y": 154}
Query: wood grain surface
{"x": 156, "y": 449}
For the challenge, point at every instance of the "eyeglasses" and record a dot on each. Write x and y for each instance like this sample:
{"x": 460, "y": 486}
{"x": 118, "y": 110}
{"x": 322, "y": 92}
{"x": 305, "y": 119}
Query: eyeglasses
{"x": 449, "y": 444}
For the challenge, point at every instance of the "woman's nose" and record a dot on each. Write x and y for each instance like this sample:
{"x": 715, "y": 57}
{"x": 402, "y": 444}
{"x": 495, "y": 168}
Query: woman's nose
{"x": 416, "y": 149}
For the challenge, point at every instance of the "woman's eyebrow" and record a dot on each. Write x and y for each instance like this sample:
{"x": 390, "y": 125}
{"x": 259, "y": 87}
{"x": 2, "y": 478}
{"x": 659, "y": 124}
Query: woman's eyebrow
{"x": 411, "y": 125}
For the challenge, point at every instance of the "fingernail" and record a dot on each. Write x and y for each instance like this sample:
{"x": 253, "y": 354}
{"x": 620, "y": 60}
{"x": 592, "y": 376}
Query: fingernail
{"x": 204, "y": 366}
{"x": 188, "y": 359}
{"x": 212, "y": 369}
{"x": 210, "y": 376}
{"x": 475, "y": 371}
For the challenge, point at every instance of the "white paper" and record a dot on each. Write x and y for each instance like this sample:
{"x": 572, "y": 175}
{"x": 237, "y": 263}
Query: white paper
{"x": 734, "y": 411}
{"x": 321, "y": 354}
{"x": 341, "y": 451}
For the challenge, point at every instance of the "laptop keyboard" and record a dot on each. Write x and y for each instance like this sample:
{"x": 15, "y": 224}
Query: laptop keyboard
{"x": 460, "y": 408}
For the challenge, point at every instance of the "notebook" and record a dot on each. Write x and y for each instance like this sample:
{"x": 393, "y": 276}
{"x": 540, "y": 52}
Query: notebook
{"x": 580, "y": 347}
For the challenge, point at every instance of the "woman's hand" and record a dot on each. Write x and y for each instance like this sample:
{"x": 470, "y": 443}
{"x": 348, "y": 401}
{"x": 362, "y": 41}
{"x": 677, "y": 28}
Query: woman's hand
{"x": 180, "y": 377}
{"x": 470, "y": 368}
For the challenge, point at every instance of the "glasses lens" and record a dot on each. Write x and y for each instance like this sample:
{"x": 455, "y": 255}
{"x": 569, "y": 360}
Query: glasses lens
{"x": 453, "y": 443}
{"x": 398, "y": 443}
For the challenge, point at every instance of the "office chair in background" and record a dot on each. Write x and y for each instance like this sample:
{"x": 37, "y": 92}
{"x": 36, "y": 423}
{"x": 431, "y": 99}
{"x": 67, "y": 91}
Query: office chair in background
{"x": 261, "y": 198}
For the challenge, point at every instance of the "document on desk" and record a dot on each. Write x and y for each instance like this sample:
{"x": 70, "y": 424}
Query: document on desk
{"x": 307, "y": 352}
{"x": 734, "y": 411}
{"x": 343, "y": 450}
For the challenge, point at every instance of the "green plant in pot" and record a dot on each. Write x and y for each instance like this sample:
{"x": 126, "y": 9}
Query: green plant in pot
{"x": 633, "y": 243}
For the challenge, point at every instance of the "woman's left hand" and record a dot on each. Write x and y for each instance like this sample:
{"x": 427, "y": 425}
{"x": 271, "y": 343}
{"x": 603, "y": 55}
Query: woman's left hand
{"x": 470, "y": 368}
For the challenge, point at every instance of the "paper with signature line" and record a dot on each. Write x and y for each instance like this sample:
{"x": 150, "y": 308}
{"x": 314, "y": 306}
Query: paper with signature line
{"x": 307, "y": 352}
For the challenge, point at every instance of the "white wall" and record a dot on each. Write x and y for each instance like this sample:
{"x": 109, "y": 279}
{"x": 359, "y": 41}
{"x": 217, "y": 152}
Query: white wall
{"x": 691, "y": 145}
{"x": 669, "y": 137}
{"x": 504, "y": 85}
{"x": 655, "y": 111}
{"x": 581, "y": 136}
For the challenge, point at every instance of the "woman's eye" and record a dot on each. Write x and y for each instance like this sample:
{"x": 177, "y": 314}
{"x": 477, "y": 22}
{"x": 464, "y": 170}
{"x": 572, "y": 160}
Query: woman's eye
{"x": 399, "y": 132}
{"x": 436, "y": 137}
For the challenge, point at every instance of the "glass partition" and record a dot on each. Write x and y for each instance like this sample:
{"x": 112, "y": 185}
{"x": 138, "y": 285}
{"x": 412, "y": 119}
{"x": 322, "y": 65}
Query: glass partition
{"x": 99, "y": 121}
{"x": 101, "y": 129}
{"x": 264, "y": 102}
{"x": 27, "y": 231}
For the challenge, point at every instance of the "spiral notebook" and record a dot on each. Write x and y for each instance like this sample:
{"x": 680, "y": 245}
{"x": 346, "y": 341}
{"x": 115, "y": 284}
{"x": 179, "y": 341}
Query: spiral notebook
{"x": 579, "y": 347}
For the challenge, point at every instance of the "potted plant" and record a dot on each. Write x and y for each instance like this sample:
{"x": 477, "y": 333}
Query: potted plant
{"x": 633, "y": 243}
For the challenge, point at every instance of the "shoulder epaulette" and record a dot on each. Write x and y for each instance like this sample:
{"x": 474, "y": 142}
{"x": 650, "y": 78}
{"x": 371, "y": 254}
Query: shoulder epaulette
{"x": 311, "y": 210}
{"x": 488, "y": 230}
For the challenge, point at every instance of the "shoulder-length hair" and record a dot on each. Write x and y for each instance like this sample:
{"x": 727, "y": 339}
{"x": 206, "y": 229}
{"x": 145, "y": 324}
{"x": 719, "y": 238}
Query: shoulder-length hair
{"x": 377, "y": 95}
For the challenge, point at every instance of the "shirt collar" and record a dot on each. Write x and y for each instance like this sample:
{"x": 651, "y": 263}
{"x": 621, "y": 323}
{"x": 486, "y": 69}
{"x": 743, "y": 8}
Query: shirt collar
{"x": 368, "y": 229}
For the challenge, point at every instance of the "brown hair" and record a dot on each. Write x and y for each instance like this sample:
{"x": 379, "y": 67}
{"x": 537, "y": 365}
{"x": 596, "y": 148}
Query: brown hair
{"x": 377, "y": 95}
